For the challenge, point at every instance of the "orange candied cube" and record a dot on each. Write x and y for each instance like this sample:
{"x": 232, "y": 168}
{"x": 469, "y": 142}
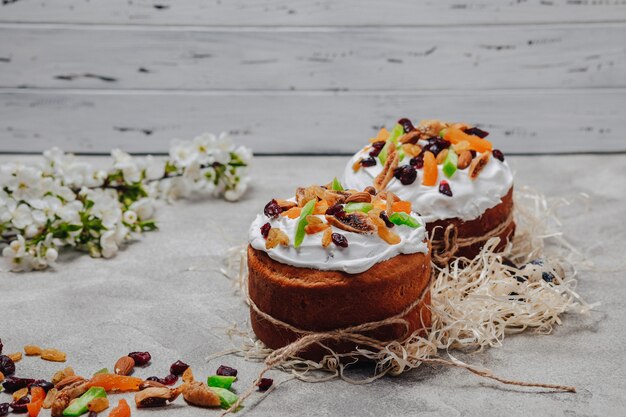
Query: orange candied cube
{"x": 122, "y": 409}
{"x": 292, "y": 213}
{"x": 113, "y": 382}
{"x": 403, "y": 206}
{"x": 430, "y": 169}
{"x": 455, "y": 136}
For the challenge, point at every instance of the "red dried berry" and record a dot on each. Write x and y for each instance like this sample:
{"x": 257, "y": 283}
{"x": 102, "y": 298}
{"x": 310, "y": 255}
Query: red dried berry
{"x": 140, "y": 358}
{"x": 339, "y": 240}
{"x": 19, "y": 406}
{"x": 4, "y": 409}
{"x": 265, "y": 230}
{"x": 474, "y": 131}
{"x": 444, "y": 188}
{"x": 497, "y": 153}
{"x": 7, "y": 366}
{"x": 385, "y": 218}
{"x": 224, "y": 370}
{"x": 334, "y": 210}
{"x": 169, "y": 380}
{"x": 265, "y": 384}
{"x": 368, "y": 162}
{"x": 406, "y": 125}
{"x": 12, "y": 383}
{"x": 408, "y": 176}
{"x": 272, "y": 209}
{"x": 41, "y": 383}
{"x": 178, "y": 367}
{"x": 376, "y": 148}
{"x": 436, "y": 145}
{"x": 417, "y": 162}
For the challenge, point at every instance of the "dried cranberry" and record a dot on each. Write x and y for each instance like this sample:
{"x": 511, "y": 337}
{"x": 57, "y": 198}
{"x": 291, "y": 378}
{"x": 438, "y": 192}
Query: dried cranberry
{"x": 19, "y": 406}
{"x": 7, "y": 366}
{"x": 406, "y": 125}
{"x": 385, "y": 218}
{"x": 497, "y": 153}
{"x": 339, "y": 240}
{"x": 41, "y": 383}
{"x": 444, "y": 188}
{"x": 376, "y": 148}
{"x": 368, "y": 162}
{"x": 409, "y": 175}
{"x": 397, "y": 173}
{"x": 417, "y": 162}
{"x": 336, "y": 210}
{"x": 265, "y": 230}
{"x": 265, "y": 384}
{"x": 169, "y": 380}
{"x": 12, "y": 383}
{"x": 272, "y": 209}
{"x": 4, "y": 409}
{"x": 140, "y": 358}
{"x": 436, "y": 145}
{"x": 178, "y": 367}
{"x": 474, "y": 131}
{"x": 224, "y": 370}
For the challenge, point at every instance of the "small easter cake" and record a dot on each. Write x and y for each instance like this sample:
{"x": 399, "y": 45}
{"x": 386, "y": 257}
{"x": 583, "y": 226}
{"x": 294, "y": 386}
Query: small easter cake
{"x": 455, "y": 180}
{"x": 330, "y": 259}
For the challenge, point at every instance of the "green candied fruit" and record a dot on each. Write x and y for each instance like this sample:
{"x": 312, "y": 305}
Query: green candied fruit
{"x": 364, "y": 207}
{"x": 337, "y": 185}
{"x": 450, "y": 163}
{"x": 227, "y": 398}
{"x": 306, "y": 210}
{"x": 401, "y": 218}
{"x": 80, "y": 405}
{"x": 395, "y": 133}
{"x": 219, "y": 381}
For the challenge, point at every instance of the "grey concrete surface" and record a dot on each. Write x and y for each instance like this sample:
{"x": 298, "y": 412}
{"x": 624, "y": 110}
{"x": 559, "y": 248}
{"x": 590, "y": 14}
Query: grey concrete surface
{"x": 165, "y": 294}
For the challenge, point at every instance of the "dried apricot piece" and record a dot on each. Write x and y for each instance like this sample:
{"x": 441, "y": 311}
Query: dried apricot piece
{"x": 53, "y": 355}
{"x": 403, "y": 206}
{"x": 430, "y": 169}
{"x": 381, "y": 136}
{"x": 457, "y": 135}
{"x": 112, "y": 382}
{"x": 37, "y": 396}
{"x": 121, "y": 410}
{"x": 320, "y": 207}
{"x": 292, "y": 213}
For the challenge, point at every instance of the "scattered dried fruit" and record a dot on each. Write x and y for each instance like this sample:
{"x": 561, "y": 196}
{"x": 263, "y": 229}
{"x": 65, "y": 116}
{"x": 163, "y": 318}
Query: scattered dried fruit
{"x": 188, "y": 375}
{"x": 265, "y": 383}
{"x": 53, "y": 355}
{"x": 327, "y": 237}
{"x": 154, "y": 383}
{"x": 430, "y": 170}
{"x": 403, "y": 206}
{"x": 286, "y": 204}
{"x": 140, "y": 358}
{"x": 178, "y": 368}
{"x": 359, "y": 197}
{"x": 382, "y": 179}
{"x": 43, "y": 384}
{"x": 98, "y": 405}
{"x": 221, "y": 381}
{"x": 385, "y": 218}
{"x": 4, "y": 409}
{"x": 497, "y": 153}
{"x": 61, "y": 375}
{"x": 272, "y": 209}
{"x": 477, "y": 132}
{"x": 368, "y": 162}
{"x": 80, "y": 405}
{"x": 292, "y": 213}
{"x": 112, "y": 382}
{"x": 265, "y": 229}
{"x": 226, "y": 371}
{"x": 276, "y": 237}
{"x": 477, "y": 165}
{"x": 37, "y": 397}
{"x": 198, "y": 394}
{"x": 476, "y": 143}
{"x": 465, "y": 159}
{"x": 121, "y": 410}
{"x": 407, "y": 126}
{"x": 19, "y": 406}
{"x": 50, "y": 397}
{"x": 124, "y": 365}
{"x": 22, "y": 392}
{"x": 13, "y": 383}
{"x": 441, "y": 156}
{"x": 339, "y": 240}
{"x": 32, "y": 350}
{"x": 444, "y": 188}
{"x": 15, "y": 357}
{"x": 155, "y": 397}
{"x": 1, "y": 377}
{"x": 357, "y": 222}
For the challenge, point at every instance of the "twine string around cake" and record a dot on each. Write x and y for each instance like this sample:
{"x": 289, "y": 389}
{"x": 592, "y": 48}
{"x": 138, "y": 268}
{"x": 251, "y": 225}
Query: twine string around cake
{"x": 445, "y": 248}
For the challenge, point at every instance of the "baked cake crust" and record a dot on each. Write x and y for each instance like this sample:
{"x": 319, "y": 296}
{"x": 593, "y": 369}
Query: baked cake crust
{"x": 315, "y": 300}
{"x": 489, "y": 220}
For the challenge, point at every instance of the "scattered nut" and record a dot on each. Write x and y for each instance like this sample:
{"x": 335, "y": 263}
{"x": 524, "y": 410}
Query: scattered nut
{"x": 155, "y": 397}
{"x": 98, "y": 404}
{"x": 370, "y": 189}
{"x": 124, "y": 365}
{"x": 32, "y": 350}
{"x": 60, "y": 402}
{"x": 198, "y": 394}
{"x": 360, "y": 197}
{"x": 67, "y": 381}
{"x": 465, "y": 159}
{"x": 60, "y": 375}
{"x": 50, "y": 397}
{"x": 15, "y": 357}
{"x": 461, "y": 146}
{"x": 53, "y": 355}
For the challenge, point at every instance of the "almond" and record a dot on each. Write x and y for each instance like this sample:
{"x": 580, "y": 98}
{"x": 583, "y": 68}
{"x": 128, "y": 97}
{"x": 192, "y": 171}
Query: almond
{"x": 442, "y": 156}
{"x": 360, "y": 197}
{"x": 465, "y": 159}
{"x": 69, "y": 380}
{"x": 124, "y": 365}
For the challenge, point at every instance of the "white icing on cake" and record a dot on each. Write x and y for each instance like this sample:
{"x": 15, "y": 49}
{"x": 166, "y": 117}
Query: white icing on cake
{"x": 470, "y": 198}
{"x": 363, "y": 251}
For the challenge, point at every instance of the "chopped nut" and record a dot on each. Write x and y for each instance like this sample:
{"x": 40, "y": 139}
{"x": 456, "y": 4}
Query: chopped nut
{"x": 381, "y": 181}
{"x": 333, "y": 197}
{"x": 276, "y": 237}
{"x": 67, "y": 381}
{"x": 357, "y": 222}
{"x": 60, "y": 375}
{"x": 20, "y": 393}
{"x": 32, "y": 350}
{"x": 360, "y": 197}
{"x": 478, "y": 164}
{"x": 124, "y": 365}
{"x": 50, "y": 397}
{"x": 15, "y": 357}
{"x": 465, "y": 159}
{"x": 327, "y": 237}
{"x": 155, "y": 397}
{"x": 304, "y": 195}
{"x": 441, "y": 157}
{"x": 188, "y": 375}
{"x": 98, "y": 405}
{"x": 431, "y": 127}
{"x": 198, "y": 394}
{"x": 60, "y": 402}
{"x": 53, "y": 355}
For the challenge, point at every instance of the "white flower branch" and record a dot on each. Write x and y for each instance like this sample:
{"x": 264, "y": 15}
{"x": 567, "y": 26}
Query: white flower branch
{"x": 63, "y": 202}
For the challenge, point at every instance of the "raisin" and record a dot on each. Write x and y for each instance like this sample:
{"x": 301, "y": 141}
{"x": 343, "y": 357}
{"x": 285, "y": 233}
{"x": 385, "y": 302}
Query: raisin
{"x": 368, "y": 162}
{"x": 406, "y": 125}
{"x": 376, "y": 148}
{"x": 436, "y": 145}
{"x": 140, "y": 358}
{"x": 335, "y": 210}
{"x": 444, "y": 188}
{"x": 4, "y": 409}
{"x": 178, "y": 367}
{"x": 41, "y": 383}
{"x": 265, "y": 384}
{"x": 409, "y": 175}
{"x": 169, "y": 380}
{"x": 417, "y": 162}
{"x": 339, "y": 240}
{"x": 12, "y": 383}
{"x": 7, "y": 366}
{"x": 272, "y": 209}
{"x": 497, "y": 153}
{"x": 385, "y": 218}
{"x": 224, "y": 370}
{"x": 19, "y": 406}
{"x": 474, "y": 131}
{"x": 397, "y": 173}
{"x": 265, "y": 230}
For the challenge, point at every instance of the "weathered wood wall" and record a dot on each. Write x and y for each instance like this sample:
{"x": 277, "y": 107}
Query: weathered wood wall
{"x": 309, "y": 77}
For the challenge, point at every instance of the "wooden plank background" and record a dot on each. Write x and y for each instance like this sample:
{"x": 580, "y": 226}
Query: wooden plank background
{"x": 309, "y": 77}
